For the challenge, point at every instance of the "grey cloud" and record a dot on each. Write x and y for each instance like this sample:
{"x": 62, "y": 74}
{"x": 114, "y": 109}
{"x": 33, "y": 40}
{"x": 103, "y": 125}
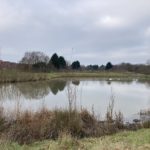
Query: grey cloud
{"x": 98, "y": 31}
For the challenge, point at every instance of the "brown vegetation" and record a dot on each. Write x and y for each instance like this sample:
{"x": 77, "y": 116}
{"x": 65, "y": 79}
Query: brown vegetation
{"x": 27, "y": 127}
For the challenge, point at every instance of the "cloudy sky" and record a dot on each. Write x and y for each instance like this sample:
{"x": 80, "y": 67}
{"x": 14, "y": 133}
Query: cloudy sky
{"x": 92, "y": 31}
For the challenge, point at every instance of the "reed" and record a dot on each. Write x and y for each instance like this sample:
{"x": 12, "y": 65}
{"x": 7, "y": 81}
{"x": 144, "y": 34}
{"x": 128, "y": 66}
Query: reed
{"x": 26, "y": 127}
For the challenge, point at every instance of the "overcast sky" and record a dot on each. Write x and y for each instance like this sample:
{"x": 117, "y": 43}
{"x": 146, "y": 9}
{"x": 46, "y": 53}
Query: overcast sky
{"x": 92, "y": 31}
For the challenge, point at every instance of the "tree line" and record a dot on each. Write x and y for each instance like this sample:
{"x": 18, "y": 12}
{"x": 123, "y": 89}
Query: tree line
{"x": 39, "y": 61}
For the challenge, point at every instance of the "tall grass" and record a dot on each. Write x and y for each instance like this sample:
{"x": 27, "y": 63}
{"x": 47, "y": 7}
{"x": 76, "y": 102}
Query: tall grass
{"x": 13, "y": 75}
{"x": 28, "y": 126}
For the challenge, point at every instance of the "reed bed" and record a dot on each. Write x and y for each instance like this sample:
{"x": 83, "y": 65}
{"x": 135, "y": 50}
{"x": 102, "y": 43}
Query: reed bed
{"x": 27, "y": 127}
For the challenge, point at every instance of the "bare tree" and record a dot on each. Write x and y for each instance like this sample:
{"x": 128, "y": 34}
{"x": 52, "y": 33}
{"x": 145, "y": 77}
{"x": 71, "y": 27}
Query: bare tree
{"x": 34, "y": 57}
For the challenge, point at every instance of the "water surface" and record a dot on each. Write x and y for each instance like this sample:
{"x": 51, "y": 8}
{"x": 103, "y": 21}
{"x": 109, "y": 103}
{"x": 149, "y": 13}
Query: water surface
{"x": 130, "y": 97}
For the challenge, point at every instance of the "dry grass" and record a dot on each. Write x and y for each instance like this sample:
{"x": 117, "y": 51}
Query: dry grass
{"x": 28, "y": 127}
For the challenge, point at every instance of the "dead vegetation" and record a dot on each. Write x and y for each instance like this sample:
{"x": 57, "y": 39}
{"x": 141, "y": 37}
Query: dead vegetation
{"x": 27, "y": 127}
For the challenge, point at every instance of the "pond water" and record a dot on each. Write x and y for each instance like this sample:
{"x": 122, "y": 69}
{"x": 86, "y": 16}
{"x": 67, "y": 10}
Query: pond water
{"x": 130, "y": 97}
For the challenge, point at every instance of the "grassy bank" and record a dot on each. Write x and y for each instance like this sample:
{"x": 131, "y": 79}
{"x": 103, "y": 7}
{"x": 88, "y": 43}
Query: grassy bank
{"x": 19, "y": 76}
{"x": 102, "y": 75}
{"x": 127, "y": 140}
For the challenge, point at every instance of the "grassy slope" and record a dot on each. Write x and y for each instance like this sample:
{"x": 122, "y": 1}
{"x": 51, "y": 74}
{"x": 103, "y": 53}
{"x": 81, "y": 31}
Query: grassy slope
{"x": 18, "y": 76}
{"x": 137, "y": 140}
{"x": 102, "y": 75}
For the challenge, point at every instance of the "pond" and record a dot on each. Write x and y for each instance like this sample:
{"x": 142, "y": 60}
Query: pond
{"x": 130, "y": 97}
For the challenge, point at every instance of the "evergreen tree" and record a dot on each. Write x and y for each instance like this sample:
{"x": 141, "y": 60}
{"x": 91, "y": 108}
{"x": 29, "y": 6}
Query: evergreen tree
{"x": 75, "y": 65}
{"x": 62, "y": 62}
{"x": 55, "y": 61}
{"x": 108, "y": 66}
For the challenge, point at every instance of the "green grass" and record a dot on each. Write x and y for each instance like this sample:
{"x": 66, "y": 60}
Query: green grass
{"x": 131, "y": 140}
{"x": 20, "y": 76}
{"x": 104, "y": 75}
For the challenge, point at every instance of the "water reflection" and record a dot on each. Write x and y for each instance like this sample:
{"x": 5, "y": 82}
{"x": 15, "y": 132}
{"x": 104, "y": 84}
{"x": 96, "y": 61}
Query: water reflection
{"x": 9, "y": 91}
{"x": 39, "y": 90}
{"x": 31, "y": 90}
{"x": 56, "y": 86}
{"x": 76, "y": 82}
{"x": 130, "y": 97}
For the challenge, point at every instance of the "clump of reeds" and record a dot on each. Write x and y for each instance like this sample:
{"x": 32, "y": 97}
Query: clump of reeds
{"x": 45, "y": 124}
{"x": 28, "y": 126}
{"x": 114, "y": 120}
